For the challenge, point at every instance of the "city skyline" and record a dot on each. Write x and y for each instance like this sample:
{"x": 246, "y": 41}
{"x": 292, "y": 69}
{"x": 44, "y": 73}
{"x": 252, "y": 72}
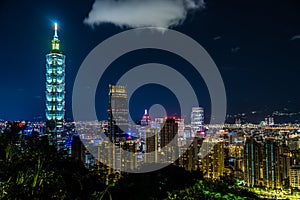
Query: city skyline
{"x": 150, "y": 99}
{"x": 262, "y": 57}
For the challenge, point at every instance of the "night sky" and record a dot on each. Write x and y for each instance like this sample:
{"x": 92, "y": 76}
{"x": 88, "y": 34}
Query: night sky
{"x": 254, "y": 43}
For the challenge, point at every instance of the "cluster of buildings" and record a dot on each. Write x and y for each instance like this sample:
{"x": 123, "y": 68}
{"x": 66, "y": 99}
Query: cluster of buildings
{"x": 264, "y": 155}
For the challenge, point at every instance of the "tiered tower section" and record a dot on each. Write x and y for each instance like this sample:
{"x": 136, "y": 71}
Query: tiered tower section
{"x": 55, "y": 90}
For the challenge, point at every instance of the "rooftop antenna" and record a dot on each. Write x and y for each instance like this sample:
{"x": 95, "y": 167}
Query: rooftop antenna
{"x": 55, "y": 30}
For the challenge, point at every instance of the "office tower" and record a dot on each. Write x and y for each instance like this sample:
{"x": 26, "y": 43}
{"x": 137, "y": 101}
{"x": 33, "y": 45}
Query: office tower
{"x": 266, "y": 162}
{"x": 197, "y": 120}
{"x": 212, "y": 157}
{"x": 168, "y": 141}
{"x": 151, "y": 143}
{"x": 55, "y": 91}
{"x": 145, "y": 121}
{"x": 118, "y": 111}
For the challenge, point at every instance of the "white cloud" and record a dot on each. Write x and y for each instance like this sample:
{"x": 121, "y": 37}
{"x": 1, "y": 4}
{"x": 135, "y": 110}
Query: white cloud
{"x": 142, "y": 13}
{"x": 295, "y": 37}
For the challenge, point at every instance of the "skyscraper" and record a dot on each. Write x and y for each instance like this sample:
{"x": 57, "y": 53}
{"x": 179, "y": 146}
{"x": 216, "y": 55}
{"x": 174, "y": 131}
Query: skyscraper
{"x": 118, "y": 111}
{"x": 55, "y": 90}
{"x": 266, "y": 162}
{"x": 212, "y": 157}
{"x": 145, "y": 121}
{"x": 151, "y": 141}
{"x": 197, "y": 120}
{"x": 169, "y": 141}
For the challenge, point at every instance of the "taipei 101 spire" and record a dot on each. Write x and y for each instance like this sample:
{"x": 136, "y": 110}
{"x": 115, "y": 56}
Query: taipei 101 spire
{"x": 55, "y": 91}
{"x": 55, "y": 30}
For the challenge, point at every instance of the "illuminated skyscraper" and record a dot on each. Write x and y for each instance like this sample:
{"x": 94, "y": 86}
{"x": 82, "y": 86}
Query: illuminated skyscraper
{"x": 266, "y": 162}
{"x": 212, "y": 157}
{"x": 169, "y": 141}
{"x": 151, "y": 141}
{"x": 145, "y": 121}
{"x": 197, "y": 120}
{"x": 118, "y": 111}
{"x": 55, "y": 90}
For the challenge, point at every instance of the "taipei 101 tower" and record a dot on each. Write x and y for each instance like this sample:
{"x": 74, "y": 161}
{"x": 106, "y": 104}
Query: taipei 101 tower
{"x": 55, "y": 91}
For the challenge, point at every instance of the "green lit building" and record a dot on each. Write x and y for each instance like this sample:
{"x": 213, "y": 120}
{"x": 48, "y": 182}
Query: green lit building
{"x": 55, "y": 90}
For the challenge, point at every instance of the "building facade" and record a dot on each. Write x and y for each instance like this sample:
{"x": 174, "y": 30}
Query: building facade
{"x": 189, "y": 159}
{"x": 266, "y": 162}
{"x": 151, "y": 143}
{"x": 212, "y": 157}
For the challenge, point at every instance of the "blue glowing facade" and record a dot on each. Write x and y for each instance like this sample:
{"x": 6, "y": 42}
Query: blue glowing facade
{"x": 55, "y": 89}
{"x": 266, "y": 162}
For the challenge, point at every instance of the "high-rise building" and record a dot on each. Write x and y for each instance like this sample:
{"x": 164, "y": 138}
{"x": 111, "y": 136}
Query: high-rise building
{"x": 118, "y": 111}
{"x": 189, "y": 156}
{"x": 151, "y": 142}
{"x": 266, "y": 162}
{"x": 55, "y": 90}
{"x": 169, "y": 141}
{"x": 236, "y": 155}
{"x": 146, "y": 121}
{"x": 212, "y": 157}
{"x": 197, "y": 120}
{"x": 180, "y": 122}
